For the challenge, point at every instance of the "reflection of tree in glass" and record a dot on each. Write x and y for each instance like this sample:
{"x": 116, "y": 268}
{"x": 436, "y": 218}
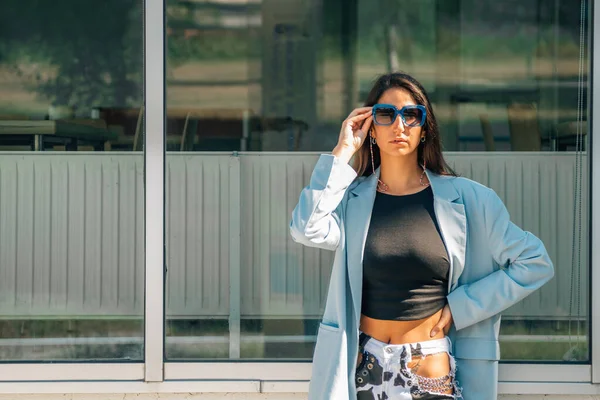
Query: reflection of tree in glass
{"x": 79, "y": 53}
{"x": 203, "y": 31}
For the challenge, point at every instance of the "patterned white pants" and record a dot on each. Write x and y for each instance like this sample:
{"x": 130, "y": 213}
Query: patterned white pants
{"x": 384, "y": 374}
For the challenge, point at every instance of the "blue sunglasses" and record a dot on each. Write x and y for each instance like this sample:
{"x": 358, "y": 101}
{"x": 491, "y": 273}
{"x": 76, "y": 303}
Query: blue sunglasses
{"x": 385, "y": 114}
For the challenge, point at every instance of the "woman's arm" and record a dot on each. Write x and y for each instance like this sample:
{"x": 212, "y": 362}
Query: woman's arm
{"x": 525, "y": 267}
{"x": 316, "y": 219}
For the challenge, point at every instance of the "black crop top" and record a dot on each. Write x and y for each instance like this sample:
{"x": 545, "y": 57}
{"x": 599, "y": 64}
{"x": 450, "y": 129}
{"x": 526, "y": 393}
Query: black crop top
{"x": 405, "y": 264}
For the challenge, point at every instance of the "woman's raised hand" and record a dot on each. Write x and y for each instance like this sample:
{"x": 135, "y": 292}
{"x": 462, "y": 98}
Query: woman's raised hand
{"x": 354, "y": 131}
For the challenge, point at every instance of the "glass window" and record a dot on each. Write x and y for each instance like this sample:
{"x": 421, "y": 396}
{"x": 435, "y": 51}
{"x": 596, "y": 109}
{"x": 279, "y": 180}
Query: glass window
{"x": 71, "y": 215}
{"x": 256, "y": 89}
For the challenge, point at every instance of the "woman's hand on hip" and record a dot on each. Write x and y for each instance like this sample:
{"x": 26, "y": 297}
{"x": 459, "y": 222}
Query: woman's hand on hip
{"x": 444, "y": 323}
{"x": 354, "y": 131}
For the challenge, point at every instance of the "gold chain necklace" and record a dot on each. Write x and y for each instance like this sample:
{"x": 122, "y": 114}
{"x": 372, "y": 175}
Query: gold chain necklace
{"x": 383, "y": 187}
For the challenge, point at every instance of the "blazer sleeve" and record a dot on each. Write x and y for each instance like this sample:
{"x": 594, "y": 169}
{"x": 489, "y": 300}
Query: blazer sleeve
{"x": 525, "y": 267}
{"x": 316, "y": 218}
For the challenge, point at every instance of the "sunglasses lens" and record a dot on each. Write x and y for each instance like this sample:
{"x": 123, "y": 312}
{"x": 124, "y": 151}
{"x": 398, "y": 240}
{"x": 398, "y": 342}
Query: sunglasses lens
{"x": 412, "y": 116}
{"x": 384, "y": 116}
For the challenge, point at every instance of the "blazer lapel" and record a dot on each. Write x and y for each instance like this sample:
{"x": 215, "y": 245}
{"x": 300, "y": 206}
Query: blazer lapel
{"x": 358, "y": 218}
{"x": 452, "y": 221}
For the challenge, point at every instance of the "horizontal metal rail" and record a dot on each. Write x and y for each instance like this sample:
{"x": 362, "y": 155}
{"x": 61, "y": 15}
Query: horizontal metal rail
{"x": 124, "y": 340}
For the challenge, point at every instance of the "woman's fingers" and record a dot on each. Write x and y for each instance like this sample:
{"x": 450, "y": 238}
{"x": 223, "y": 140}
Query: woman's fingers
{"x": 359, "y": 110}
{"x": 364, "y": 130}
{"x": 354, "y": 128}
{"x": 367, "y": 124}
{"x": 445, "y": 321}
{"x": 356, "y": 122}
{"x": 359, "y": 114}
{"x": 359, "y": 117}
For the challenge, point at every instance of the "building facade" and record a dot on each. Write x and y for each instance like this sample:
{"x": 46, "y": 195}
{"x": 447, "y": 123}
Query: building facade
{"x": 151, "y": 152}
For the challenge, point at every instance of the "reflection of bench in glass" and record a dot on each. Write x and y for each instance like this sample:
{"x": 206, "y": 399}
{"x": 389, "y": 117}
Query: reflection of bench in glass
{"x": 526, "y": 135}
{"x": 524, "y": 127}
{"x": 521, "y": 109}
{"x": 129, "y": 123}
{"x": 193, "y": 129}
{"x": 521, "y": 102}
{"x": 236, "y": 130}
{"x": 68, "y": 133}
{"x": 567, "y": 134}
{"x": 211, "y": 129}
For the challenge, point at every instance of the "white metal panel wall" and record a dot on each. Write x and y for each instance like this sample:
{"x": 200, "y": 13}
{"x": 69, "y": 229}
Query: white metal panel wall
{"x": 280, "y": 277}
{"x": 71, "y": 235}
{"x": 197, "y": 234}
{"x": 71, "y": 232}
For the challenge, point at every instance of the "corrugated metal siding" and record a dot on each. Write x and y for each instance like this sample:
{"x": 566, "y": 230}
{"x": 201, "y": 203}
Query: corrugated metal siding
{"x": 71, "y": 235}
{"x": 71, "y": 232}
{"x": 197, "y": 235}
{"x": 280, "y": 278}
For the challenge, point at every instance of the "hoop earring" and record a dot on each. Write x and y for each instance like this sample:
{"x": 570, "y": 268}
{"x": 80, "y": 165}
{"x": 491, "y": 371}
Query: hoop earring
{"x": 373, "y": 141}
{"x": 423, "y": 138}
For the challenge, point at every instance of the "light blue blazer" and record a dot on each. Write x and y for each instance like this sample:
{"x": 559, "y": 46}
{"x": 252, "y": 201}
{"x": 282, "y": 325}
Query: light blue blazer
{"x": 493, "y": 265}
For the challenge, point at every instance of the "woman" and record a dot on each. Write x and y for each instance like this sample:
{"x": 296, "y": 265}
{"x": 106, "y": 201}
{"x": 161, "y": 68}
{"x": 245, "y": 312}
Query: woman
{"x": 425, "y": 261}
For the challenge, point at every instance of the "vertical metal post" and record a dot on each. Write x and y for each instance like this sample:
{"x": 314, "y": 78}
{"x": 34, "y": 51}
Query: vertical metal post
{"x": 244, "y": 145}
{"x": 235, "y": 233}
{"x": 595, "y": 190}
{"x": 154, "y": 162}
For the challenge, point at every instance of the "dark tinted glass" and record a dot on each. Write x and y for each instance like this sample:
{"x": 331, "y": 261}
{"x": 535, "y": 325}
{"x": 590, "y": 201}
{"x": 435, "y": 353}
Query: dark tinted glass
{"x": 412, "y": 116}
{"x": 385, "y": 116}
{"x": 71, "y": 180}
{"x": 257, "y": 89}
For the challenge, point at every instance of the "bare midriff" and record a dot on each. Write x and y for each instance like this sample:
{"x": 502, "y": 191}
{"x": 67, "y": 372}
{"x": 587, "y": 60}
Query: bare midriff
{"x": 401, "y": 332}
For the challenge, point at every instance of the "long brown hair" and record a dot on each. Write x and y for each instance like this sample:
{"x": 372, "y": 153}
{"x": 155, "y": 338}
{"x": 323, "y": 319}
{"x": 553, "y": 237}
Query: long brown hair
{"x": 429, "y": 152}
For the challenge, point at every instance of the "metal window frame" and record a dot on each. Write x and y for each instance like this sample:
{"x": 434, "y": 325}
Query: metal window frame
{"x": 266, "y": 384}
{"x": 594, "y": 165}
{"x": 28, "y": 372}
{"x": 513, "y": 378}
{"x": 155, "y": 375}
{"x": 35, "y": 377}
{"x": 300, "y": 371}
{"x": 154, "y": 166}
